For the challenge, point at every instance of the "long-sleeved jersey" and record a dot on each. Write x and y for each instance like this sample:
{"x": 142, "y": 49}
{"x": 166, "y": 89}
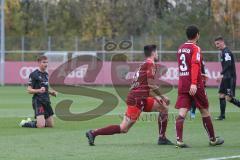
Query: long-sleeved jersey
{"x": 228, "y": 64}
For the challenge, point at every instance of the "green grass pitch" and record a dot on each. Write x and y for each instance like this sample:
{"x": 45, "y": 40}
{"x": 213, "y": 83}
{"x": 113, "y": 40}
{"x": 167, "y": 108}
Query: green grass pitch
{"x": 67, "y": 139}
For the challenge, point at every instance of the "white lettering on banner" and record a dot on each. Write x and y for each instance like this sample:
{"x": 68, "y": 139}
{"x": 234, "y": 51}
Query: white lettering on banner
{"x": 24, "y": 72}
{"x": 171, "y": 74}
{"x": 78, "y": 73}
{"x": 212, "y": 74}
{"x": 130, "y": 75}
{"x": 122, "y": 71}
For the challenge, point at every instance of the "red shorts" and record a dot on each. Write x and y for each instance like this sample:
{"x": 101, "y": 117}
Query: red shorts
{"x": 184, "y": 100}
{"x": 133, "y": 112}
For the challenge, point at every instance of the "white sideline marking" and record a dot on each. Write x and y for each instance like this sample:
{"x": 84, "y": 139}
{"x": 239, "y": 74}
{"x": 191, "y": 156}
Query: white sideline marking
{"x": 222, "y": 158}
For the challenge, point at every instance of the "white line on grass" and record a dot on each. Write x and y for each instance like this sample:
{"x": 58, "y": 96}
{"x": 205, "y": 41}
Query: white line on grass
{"x": 222, "y": 158}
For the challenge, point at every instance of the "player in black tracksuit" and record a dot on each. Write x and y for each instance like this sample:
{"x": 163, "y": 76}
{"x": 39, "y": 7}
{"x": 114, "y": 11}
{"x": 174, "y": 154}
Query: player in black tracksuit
{"x": 38, "y": 86}
{"x": 228, "y": 78}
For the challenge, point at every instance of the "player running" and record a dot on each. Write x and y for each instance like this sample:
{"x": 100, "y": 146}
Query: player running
{"x": 227, "y": 77}
{"x": 191, "y": 88}
{"x": 144, "y": 96}
{"x": 38, "y": 86}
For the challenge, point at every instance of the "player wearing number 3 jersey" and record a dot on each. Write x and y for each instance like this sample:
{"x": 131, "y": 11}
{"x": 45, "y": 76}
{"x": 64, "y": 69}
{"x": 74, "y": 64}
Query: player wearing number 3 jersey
{"x": 191, "y": 87}
{"x": 190, "y": 61}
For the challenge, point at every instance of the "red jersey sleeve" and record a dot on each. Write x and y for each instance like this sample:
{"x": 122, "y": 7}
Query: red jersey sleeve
{"x": 195, "y": 64}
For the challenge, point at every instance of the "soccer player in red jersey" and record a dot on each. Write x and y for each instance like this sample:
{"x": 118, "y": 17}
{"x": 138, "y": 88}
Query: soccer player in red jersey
{"x": 191, "y": 87}
{"x": 144, "y": 96}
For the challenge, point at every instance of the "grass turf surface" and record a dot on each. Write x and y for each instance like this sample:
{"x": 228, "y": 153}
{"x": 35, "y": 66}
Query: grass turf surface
{"x": 67, "y": 139}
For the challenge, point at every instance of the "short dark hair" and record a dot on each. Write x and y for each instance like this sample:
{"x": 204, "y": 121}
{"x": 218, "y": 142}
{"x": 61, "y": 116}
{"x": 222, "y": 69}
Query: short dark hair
{"x": 219, "y": 38}
{"x": 192, "y": 32}
{"x": 148, "y": 49}
{"x": 42, "y": 57}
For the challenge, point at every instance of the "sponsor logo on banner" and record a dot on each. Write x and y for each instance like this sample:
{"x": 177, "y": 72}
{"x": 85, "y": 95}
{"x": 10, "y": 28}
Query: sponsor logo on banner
{"x": 21, "y": 72}
{"x": 171, "y": 74}
{"x": 77, "y": 73}
{"x": 80, "y": 72}
{"x": 24, "y": 72}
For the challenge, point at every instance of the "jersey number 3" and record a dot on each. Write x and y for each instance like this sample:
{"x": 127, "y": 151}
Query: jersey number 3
{"x": 183, "y": 65}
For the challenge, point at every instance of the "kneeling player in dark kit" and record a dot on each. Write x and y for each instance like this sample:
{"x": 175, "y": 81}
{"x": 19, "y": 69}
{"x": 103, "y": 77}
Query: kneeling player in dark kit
{"x": 39, "y": 87}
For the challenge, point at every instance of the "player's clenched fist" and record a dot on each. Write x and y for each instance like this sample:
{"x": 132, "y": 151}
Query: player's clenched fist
{"x": 219, "y": 79}
{"x": 162, "y": 100}
{"x": 42, "y": 90}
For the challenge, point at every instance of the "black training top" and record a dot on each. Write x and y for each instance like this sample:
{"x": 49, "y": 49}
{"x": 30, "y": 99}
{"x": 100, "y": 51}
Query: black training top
{"x": 228, "y": 64}
{"x": 38, "y": 79}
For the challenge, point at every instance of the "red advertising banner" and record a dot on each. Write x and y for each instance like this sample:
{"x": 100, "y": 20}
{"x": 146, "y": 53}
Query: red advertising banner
{"x": 18, "y": 73}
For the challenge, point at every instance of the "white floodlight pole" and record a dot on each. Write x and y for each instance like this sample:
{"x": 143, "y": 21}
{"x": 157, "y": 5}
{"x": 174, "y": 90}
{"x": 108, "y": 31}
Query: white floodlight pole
{"x": 2, "y": 71}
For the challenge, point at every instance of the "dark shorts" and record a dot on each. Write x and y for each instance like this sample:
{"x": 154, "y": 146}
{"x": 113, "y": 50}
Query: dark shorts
{"x": 184, "y": 100}
{"x": 42, "y": 108}
{"x": 228, "y": 86}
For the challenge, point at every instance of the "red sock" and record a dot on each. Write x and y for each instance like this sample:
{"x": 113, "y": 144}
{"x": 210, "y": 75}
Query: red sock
{"x": 179, "y": 127}
{"x": 162, "y": 124}
{"x": 207, "y": 123}
{"x": 109, "y": 130}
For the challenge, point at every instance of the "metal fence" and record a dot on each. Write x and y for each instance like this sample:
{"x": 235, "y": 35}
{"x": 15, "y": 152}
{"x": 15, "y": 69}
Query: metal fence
{"x": 27, "y": 48}
{"x": 133, "y": 55}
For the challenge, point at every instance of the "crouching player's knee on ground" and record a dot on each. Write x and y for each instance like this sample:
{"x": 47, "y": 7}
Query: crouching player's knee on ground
{"x": 40, "y": 125}
{"x": 40, "y": 122}
{"x": 50, "y": 122}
